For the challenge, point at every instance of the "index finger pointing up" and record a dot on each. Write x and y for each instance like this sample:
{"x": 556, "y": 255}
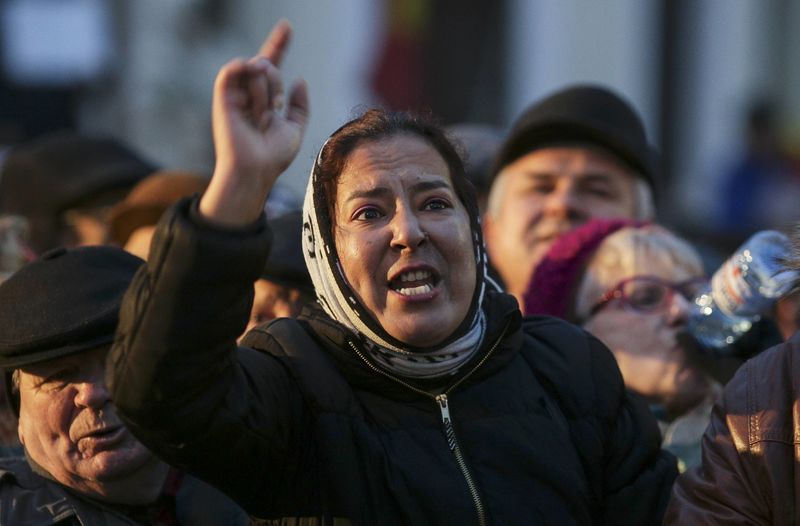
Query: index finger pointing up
{"x": 276, "y": 43}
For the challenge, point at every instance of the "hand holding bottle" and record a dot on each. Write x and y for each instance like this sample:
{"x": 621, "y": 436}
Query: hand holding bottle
{"x": 742, "y": 290}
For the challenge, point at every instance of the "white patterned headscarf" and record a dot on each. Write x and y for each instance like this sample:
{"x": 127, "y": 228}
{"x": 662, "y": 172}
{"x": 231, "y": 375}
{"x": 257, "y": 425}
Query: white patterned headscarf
{"x": 340, "y": 302}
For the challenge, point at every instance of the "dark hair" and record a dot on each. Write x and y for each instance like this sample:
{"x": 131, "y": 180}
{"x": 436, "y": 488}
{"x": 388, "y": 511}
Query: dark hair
{"x": 374, "y": 125}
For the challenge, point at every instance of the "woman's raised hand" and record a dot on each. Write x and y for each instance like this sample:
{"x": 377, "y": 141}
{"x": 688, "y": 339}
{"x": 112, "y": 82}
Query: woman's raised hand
{"x": 257, "y": 131}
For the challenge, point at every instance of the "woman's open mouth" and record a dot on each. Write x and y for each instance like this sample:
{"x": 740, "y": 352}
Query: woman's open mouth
{"x": 415, "y": 284}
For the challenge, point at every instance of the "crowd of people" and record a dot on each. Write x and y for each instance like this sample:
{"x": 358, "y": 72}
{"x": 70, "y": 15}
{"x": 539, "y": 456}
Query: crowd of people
{"x": 174, "y": 353}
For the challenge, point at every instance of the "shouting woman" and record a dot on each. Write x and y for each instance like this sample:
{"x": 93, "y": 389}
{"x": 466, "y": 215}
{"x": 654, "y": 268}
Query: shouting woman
{"x": 414, "y": 393}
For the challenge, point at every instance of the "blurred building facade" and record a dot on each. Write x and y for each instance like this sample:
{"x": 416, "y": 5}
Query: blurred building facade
{"x": 690, "y": 66}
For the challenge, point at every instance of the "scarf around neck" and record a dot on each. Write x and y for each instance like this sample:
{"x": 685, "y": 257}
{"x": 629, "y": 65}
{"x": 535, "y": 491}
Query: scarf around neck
{"x": 341, "y": 303}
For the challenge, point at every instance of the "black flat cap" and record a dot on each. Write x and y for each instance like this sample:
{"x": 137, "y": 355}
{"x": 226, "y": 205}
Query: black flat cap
{"x": 63, "y": 170}
{"x": 64, "y": 303}
{"x": 583, "y": 113}
{"x": 73, "y": 166}
{"x": 286, "y": 265}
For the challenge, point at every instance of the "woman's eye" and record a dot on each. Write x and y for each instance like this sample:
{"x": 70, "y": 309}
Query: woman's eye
{"x": 647, "y": 296}
{"x": 367, "y": 214}
{"x": 692, "y": 289}
{"x": 436, "y": 204}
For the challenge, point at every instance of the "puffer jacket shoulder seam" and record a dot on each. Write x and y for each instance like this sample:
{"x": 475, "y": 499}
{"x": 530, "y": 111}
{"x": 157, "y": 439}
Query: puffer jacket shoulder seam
{"x": 327, "y": 395}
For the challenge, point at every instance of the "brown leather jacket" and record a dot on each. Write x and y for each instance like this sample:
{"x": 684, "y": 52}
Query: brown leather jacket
{"x": 750, "y": 449}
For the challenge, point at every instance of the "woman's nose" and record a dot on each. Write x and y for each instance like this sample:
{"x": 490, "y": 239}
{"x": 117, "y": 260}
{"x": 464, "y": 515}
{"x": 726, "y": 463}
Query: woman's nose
{"x": 679, "y": 309}
{"x": 406, "y": 230}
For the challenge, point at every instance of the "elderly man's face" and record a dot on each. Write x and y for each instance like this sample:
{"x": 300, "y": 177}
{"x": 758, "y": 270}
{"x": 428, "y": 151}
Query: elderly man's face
{"x": 69, "y": 427}
{"x": 546, "y": 193}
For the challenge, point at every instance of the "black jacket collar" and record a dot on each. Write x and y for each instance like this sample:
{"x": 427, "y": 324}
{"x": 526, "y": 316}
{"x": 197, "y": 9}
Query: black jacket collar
{"x": 503, "y": 323}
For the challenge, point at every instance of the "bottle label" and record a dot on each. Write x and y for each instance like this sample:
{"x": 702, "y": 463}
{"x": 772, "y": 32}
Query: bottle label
{"x": 731, "y": 291}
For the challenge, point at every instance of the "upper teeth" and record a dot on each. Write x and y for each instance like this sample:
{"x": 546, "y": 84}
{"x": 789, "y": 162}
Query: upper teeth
{"x": 415, "y": 276}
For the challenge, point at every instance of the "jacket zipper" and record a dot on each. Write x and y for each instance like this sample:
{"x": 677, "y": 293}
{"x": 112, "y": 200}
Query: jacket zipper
{"x": 450, "y": 433}
{"x": 442, "y": 404}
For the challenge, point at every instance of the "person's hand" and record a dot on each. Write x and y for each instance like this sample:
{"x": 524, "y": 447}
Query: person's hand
{"x": 257, "y": 132}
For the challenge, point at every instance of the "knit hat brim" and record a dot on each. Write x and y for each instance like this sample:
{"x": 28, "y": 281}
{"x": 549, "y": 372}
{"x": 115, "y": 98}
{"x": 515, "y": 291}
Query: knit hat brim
{"x": 552, "y": 287}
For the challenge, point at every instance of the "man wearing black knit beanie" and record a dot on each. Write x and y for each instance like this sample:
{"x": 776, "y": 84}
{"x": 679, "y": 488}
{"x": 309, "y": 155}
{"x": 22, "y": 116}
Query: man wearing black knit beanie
{"x": 578, "y": 154}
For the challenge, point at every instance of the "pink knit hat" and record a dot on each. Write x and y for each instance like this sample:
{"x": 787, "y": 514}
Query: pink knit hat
{"x": 552, "y": 287}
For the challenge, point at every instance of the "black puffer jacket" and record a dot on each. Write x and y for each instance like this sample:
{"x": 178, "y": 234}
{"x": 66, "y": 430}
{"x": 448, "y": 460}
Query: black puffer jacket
{"x": 299, "y": 424}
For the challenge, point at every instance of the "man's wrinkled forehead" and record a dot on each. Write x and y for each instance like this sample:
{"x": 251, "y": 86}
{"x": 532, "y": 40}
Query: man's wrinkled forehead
{"x": 573, "y": 151}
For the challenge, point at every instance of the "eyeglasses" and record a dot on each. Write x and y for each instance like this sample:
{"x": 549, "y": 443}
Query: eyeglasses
{"x": 648, "y": 293}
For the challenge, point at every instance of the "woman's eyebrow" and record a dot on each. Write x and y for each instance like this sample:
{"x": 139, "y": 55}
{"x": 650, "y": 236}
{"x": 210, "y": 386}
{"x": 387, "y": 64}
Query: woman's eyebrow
{"x": 382, "y": 191}
{"x": 424, "y": 186}
{"x": 368, "y": 194}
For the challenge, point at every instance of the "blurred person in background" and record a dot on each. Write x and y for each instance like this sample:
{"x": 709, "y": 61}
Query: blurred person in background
{"x": 81, "y": 465}
{"x": 285, "y": 284}
{"x": 786, "y": 314}
{"x": 760, "y": 186}
{"x": 14, "y": 253}
{"x": 751, "y": 457}
{"x": 133, "y": 220}
{"x": 631, "y": 285}
{"x": 580, "y": 153}
{"x": 65, "y": 183}
{"x": 15, "y": 250}
{"x": 478, "y": 145}
{"x": 281, "y": 201}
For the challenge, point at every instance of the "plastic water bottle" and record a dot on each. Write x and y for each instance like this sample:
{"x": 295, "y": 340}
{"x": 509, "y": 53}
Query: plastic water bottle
{"x": 742, "y": 290}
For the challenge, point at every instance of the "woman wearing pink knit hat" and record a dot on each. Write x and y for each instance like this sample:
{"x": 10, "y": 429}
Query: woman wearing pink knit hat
{"x": 631, "y": 284}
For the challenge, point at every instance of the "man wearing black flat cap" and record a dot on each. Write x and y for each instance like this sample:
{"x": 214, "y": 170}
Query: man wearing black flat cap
{"x": 578, "y": 154}
{"x": 58, "y": 316}
{"x": 65, "y": 182}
